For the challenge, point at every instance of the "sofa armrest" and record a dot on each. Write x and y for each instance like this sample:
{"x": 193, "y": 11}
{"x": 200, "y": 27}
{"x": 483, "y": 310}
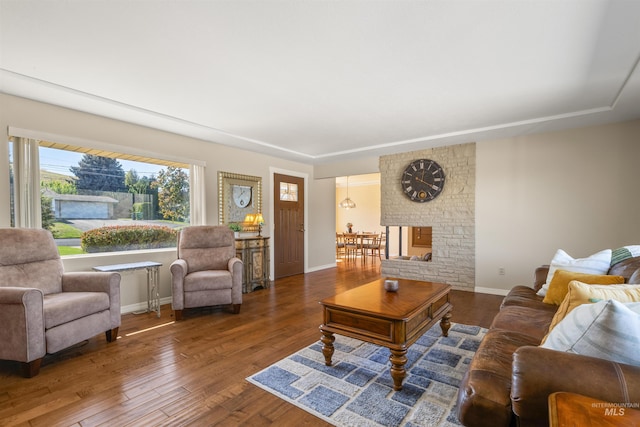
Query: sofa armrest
{"x": 179, "y": 269}
{"x": 232, "y": 262}
{"x": 96, "y": 281}
{"x": 91, "y": 281}
{"x": 537, "y": 372}
{"x": 22, "y": 314}
{"x": 236, "y": 267}
{"x": 540, "y": 276}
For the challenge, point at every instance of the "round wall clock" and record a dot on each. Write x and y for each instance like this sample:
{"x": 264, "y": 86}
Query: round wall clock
{"x": 241, "y": 195}
{"x": 422, "y": 180}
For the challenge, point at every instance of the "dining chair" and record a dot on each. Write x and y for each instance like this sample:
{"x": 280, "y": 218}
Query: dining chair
{"x": 340, "y": 250}
{"x": 351, "y": 246}
{"x": 371, "y": 245}
{"x": 383, "y": 244}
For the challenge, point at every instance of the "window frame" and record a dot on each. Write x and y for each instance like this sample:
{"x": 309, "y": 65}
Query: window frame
{"x": 196, "y": 168}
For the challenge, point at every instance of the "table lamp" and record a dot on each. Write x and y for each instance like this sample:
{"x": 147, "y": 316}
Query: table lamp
{"x": 259, "y": 220}
{"x": 250, "y": 219}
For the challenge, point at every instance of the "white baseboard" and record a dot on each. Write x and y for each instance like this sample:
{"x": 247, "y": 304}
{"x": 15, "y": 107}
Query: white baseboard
{"x": 322, "y": 267}
{"x": 492, "y": 291}
{"x": 140, "y": 306}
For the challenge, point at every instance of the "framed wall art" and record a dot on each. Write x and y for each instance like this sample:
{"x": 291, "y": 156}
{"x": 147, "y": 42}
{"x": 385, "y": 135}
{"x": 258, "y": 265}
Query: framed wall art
{"x": 238, "y": 196}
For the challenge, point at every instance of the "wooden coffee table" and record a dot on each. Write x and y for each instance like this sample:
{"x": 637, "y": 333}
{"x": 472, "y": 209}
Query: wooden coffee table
{"x": 391, "y": 319}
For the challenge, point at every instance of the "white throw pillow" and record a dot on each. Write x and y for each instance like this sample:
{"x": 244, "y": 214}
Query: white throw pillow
{"x": 606, "y": 329}
{"x": 597, "y": 263}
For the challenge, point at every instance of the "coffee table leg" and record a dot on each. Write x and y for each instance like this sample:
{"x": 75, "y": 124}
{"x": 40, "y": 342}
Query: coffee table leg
{"x": 398, "y": 359}
{"x": 327, "y": 349}
{"x": 445, "y": 324}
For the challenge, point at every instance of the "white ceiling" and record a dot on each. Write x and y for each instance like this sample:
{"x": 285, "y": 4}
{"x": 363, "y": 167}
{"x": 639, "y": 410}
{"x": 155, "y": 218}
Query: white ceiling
{"x": 323, "y": 80}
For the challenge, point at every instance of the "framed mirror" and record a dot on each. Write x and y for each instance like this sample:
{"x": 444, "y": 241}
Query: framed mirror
{"x": 238, "y": 195}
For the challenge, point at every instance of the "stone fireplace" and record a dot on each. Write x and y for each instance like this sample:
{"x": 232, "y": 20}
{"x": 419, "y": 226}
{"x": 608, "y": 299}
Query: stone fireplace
{"x": 451, "y": 216}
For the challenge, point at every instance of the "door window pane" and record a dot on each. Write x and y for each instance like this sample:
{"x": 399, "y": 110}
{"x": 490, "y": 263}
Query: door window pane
{"x": 288, "y": 192}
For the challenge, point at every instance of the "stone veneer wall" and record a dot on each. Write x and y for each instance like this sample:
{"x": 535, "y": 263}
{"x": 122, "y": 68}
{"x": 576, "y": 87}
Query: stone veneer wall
{"x": 451, "y": 216}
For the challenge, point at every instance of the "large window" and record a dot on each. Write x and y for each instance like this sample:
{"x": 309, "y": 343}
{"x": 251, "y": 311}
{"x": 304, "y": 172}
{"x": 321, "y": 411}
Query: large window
{"x": 96, "y": 200}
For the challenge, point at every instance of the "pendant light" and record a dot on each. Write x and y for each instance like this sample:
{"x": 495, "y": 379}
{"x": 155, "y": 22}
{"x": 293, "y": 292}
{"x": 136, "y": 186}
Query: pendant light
{"x": 347, "y": 203}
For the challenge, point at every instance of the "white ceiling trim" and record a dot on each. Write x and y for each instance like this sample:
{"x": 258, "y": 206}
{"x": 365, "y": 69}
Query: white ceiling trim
{"x": 625, "y": 84}
{"x": 24, "y": 86}
{"x": 466, "y": 132}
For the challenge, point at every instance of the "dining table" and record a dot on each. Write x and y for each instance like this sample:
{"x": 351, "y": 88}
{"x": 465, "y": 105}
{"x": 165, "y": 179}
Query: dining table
{"x": 355, "y": 244}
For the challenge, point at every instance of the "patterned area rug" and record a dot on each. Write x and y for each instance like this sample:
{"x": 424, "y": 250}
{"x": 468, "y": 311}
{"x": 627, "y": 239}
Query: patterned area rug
{"x": 358, "y": 390}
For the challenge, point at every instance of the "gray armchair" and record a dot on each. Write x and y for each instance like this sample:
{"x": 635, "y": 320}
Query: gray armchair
{"x": 42, "y": 308}
{"x": 207, "y": 271}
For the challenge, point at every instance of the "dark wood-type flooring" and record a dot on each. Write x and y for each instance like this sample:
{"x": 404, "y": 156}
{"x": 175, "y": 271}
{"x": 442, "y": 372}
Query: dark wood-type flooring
{"x": 193, "y": 372}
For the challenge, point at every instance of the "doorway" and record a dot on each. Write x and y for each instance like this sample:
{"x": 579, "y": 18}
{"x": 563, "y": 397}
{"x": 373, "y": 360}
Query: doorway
{"x": 288, "y": 232}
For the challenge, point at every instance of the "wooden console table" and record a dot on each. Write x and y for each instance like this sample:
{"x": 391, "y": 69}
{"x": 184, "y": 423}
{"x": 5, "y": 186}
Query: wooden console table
{"x": 153, "y": 286}
{"x": 254, "y": 253}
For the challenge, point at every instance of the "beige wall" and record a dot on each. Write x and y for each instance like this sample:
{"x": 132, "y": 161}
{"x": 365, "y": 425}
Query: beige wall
{"x": 366, "y": 215}
{"x": 576, "y": 190}
{"x": 320, "y": 231}
{"x": 40, "y": 117}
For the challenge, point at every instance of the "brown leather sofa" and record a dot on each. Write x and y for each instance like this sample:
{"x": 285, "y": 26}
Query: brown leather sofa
{"x": 510, "y": 377}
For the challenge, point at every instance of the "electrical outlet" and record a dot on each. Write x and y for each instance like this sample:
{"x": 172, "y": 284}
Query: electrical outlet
{"x": 501, "y": 271}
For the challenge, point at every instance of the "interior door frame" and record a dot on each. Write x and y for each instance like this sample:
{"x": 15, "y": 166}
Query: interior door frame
{"x": 305, "y": 176}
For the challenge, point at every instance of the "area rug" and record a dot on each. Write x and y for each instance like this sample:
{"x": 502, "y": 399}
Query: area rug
{"x": 358, "y": 390}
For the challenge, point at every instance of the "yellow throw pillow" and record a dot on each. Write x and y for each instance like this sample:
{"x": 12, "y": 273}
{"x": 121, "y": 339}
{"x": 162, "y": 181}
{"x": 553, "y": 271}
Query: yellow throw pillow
{"x": 559, "y": 285}
{"x": 583, "y": 293}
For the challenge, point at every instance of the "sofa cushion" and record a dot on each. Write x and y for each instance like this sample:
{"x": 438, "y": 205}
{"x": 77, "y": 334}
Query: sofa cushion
{"x": 521, "y": 295}
{"x": 208, "y": 280}
{"x": 484, "y": 394}
{"x": 626, "y": 268}
{"x": 525, "y": 320}
{"x": 67, "y": 306}
{"x": 206, "y": 247}
{"x": 559, "y": 285}
{"x": 29, "y": 258}
{"x": 598, "y": 263}
{"x": 606, "y": 329}
{"x": 582, "y": 293}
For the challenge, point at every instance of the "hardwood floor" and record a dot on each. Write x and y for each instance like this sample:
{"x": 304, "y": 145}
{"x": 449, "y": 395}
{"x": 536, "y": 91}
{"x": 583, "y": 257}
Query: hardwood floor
{"x": 193, "y": 372}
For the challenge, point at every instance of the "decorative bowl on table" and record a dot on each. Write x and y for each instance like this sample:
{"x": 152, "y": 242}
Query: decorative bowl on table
{"x": 391, "y": 285}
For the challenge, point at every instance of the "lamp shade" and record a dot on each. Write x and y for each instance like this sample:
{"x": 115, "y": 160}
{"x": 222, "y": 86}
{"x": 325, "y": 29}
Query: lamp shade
{"x": 250, "y": 219}
{"x": 347, "y": 203}
{"x": 259, "y": 219}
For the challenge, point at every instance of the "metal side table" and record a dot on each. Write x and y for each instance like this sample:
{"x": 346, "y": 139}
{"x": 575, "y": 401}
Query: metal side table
{"x": 153, "y": 286}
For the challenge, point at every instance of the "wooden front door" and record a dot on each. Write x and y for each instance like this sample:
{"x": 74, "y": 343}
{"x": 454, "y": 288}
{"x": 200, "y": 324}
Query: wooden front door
{"x": 288, "y": 233}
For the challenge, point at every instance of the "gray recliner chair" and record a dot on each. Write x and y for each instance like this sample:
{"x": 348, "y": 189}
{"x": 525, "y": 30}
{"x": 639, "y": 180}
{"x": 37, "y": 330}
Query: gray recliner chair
{"x": 207, "y": 271}
{"x": 42, "y": 308}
